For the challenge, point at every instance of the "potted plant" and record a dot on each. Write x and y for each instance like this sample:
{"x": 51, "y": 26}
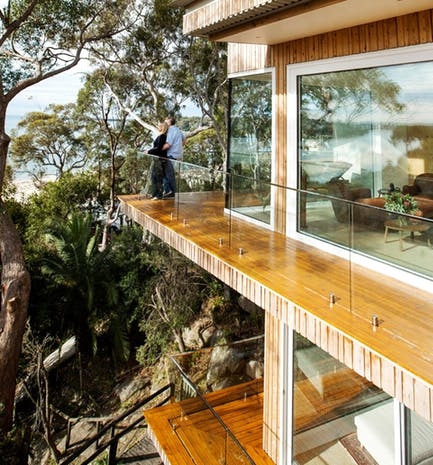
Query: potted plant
{"x": 402, "y": 204}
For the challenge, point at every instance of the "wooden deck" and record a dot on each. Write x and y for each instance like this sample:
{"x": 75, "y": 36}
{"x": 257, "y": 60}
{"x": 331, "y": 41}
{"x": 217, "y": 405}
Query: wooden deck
{"x": 305, "y": 276}
{"x": 186, "y": 433}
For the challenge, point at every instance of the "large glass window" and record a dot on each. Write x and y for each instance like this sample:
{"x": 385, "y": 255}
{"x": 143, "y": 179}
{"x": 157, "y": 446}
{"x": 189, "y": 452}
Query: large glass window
{"x": 250, "y": 145}
{"x": 363, "y": 135}
{"x": 332, "y": 406}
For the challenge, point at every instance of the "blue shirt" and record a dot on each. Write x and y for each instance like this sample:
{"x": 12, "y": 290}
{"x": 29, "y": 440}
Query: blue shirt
{"x": 175, "y": 138}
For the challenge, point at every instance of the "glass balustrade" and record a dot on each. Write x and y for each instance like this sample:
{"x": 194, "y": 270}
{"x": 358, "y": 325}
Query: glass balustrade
{"x": 331, "y": 402}
{"x": 197, "y": 378}
{"x": 218, "y": 201}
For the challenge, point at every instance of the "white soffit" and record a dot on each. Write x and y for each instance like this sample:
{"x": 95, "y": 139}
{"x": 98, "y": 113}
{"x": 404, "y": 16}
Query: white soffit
{"x": 328, "y": 18}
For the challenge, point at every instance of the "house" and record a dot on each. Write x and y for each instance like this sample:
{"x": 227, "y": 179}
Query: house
{"x": 340, "y": 93}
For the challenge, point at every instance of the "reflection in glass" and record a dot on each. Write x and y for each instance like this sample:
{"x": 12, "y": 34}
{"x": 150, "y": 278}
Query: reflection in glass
{"x": 420, "y": 435}
{"x": 330, "y": 406}
{"x": 363, "y": 134}
{"x": 250, "y": 145}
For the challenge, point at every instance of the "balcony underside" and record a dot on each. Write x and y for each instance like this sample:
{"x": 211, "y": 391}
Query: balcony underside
{"x": 292, "y": 281}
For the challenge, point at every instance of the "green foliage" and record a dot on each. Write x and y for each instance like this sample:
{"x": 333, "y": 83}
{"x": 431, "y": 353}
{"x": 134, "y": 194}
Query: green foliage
{"x": 76, "y": 266}
{"x": 204, "y": 150}
{"x": 56, "y": 201}
{"x": 173, "y": 301}
{"x": 14, "y": 446}
{"x": 37, "y": 35}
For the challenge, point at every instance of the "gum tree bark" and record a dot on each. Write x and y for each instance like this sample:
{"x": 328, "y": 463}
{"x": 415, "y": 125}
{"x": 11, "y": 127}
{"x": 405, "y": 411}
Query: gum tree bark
{"x": 15, "y": 291}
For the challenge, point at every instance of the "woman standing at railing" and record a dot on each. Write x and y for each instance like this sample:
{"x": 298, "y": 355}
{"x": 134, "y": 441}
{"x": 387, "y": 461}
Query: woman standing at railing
{"x": 158, "y": 166}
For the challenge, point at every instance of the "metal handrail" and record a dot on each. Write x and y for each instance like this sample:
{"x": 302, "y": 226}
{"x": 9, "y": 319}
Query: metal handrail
{"x": 112, "y": 442}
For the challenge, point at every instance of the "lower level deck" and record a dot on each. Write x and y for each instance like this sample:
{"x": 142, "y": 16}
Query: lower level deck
{"x": 187, "y": 433}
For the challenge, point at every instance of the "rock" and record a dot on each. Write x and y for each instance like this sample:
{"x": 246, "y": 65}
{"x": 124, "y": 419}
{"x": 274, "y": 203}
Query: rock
{"x": 248, "y": 306}
{"x": 199, "y": 334}
{"x": 254, "y": 369}
{"x": 127, "y": 389}
{"x": 224, "y": 362}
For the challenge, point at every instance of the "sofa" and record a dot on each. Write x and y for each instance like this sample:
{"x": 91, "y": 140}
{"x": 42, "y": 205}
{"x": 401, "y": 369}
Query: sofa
{"x": 370, "y": 211}
{"x": 342, "y": 189}
{"x": 421, "y": 189}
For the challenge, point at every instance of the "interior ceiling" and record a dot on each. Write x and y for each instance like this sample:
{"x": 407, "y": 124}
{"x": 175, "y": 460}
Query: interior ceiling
{"x": 332, "y": 17}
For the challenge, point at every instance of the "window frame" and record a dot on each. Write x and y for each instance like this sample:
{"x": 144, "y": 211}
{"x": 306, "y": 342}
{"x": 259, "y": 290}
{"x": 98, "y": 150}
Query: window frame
{"x": 240, "y": 75}
{"x": 404, "y": 55}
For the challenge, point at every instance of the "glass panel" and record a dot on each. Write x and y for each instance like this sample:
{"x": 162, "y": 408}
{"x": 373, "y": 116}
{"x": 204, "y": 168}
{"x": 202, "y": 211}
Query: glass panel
{"x": 250, "y": 144}
{"x": 333, "y": 408}
{"x": 365, "y": 136}
{"x": 421, "y": 440}
{"x": 210, "y": 384}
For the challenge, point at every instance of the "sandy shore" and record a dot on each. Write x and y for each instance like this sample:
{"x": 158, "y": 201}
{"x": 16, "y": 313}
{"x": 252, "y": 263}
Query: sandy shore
{"x": 26, "y": 187}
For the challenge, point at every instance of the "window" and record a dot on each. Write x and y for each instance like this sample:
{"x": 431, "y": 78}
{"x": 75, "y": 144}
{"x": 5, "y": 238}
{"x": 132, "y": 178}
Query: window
{"x": 363, "y": 132}
{"x": 250, "y": 147}
{"x": 337, "y": 413}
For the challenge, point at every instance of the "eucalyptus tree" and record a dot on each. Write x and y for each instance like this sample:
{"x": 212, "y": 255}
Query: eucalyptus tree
{"x": 108, "y": 134}
{"x": 49, "y": 141}
{"x": 169, "y": 71}
{"x": 39, "y": 39}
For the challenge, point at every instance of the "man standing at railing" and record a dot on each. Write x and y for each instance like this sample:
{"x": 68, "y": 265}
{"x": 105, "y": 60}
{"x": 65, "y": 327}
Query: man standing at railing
{"x": 174, "y": 146}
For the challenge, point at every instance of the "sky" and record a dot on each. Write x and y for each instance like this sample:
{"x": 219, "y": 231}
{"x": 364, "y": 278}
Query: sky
{"x": 59, "y": 89}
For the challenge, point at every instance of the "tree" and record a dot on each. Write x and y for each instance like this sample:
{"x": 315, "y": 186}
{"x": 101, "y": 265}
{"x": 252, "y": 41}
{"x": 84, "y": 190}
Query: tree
{"x": 38, "y": 39}
{"x": 107, "y": 125}
{"x": 49, "y": 141}
{"x": 345, "y": 96}
{"x": 81, "y": 270}
{"x": 167, "y": 69}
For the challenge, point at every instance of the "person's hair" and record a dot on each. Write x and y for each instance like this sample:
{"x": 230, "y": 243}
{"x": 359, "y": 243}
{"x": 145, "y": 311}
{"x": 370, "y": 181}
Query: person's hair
{"x": 172, "y": 120}
{"x": 163, "y": 127}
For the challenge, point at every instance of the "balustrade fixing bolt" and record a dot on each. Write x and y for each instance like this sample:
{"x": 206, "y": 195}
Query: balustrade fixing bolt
{"x": 332, "y": 298}
{"x": 241, "y": 251}
{"x": 375, "y": 321}
{"x": 220, "y": 241}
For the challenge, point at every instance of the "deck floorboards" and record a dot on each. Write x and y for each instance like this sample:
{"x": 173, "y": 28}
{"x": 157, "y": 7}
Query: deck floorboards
{"x": 186, "y": 432}
{"x": 306, "y": 276}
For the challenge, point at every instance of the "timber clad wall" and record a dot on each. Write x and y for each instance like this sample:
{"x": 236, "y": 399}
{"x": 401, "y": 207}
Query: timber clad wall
{"x": 402, "y": 31}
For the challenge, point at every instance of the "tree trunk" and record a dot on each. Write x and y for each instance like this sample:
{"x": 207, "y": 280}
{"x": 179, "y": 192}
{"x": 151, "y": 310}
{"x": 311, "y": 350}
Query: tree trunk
{"x": 15, "y": 291}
